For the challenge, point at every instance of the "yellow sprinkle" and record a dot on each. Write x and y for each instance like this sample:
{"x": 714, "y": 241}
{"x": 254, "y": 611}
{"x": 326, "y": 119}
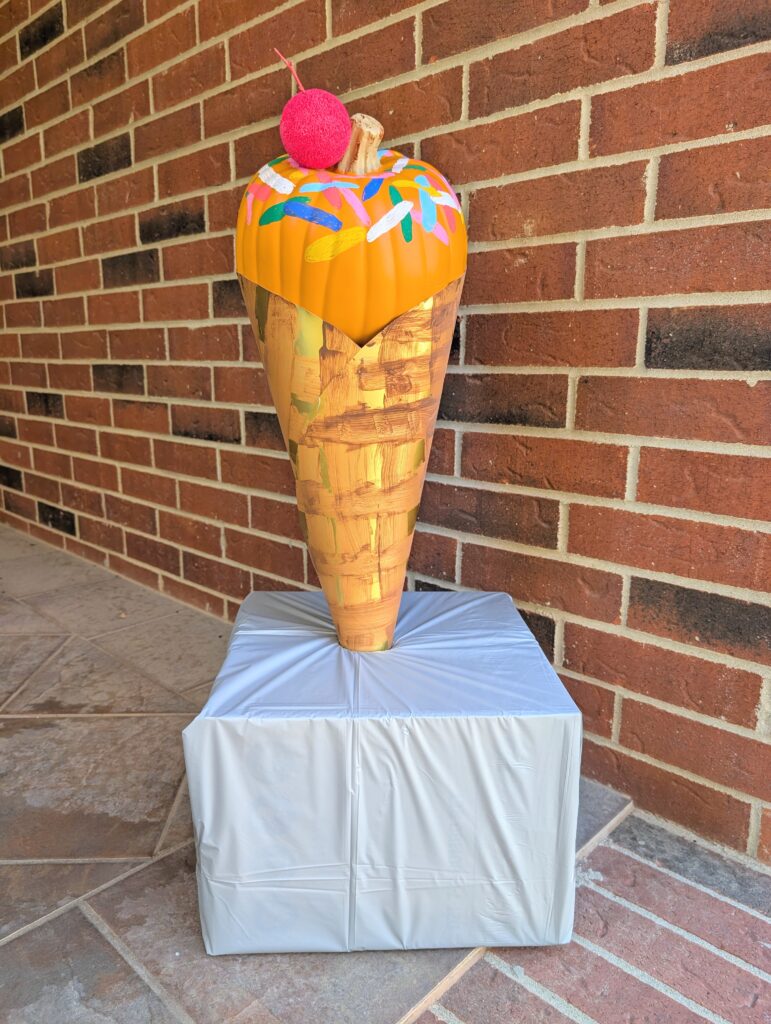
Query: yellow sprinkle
{"x": 409, "y": 183}
{"x": 329, "y": 246}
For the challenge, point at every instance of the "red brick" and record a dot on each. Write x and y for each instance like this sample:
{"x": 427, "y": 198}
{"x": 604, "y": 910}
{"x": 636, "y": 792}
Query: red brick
{"x": 596, "y": 704}
{"x": 543, "y": 581}
{"x": 374, "y": 57}
{"x": 702, "y": 27}
{"x": 725, "y": 257}
{"x": 199, "y": 258}
{"x": 161, "y": 42}
{"x": 701, "y": 618}
{"x": 153, "y": 552}
{"x": 549, "y": 463}
{"x": 53, "y": 464}
{"x": 539, "y": 138}
{"x": 731, "y": 485}
{"x": 152, "y": 417}
{"x": 695, "y": 684}
{"x": 206, "y": 424}
{"x": 58, "y": 59}
{"x": 442, "y": 457}
{"x": 84, "y": 409}
{"x": 42, "y": 487}
{"x": 29, "y": 220}
{"x": 161, "y": 490}
{"x": 133, "y": 189}
{"x": 23, "y": 314}
{"x": 72, "y": 131}
{"x": 19, "y": 83}
{"x": 537, "y": 400}
{"x": 192, "y": 595}
{"x": 601, "y": 50}
{"x": 702, "y": 809}
{"x": 78, "y": 277}
{"x": 708, "y": 337}
{"x": 59, "y": 245}
{"x": 214, "y": 503}
{"x": 575, "y": 201}
{"x": 460, "y": 25}
{"x": 714, "y": 179}
{"x": 216, "y": 575}
{"x": 737, "y": 762}
{"x": 49, "y": 104}
{"x": 120, "y": 109}
{"x": 186, "y": 459}
{"x": 415, "y": 106}
{"x": 177, "y": 302}
{"x": 113, "y": 308}
{"x": 261, "y": 472}
{"x": 578, "y": 338}
{"x": 269, "y": 515}
{"x": 245, "y": 385}
{"x": 305, "y": 24}
{"x": 764, "y": 840}
{"x": 188, "y": 78}
{"x": 14, "y": 191}
{"x": 217, "y": 16}
{"x": 517, "y": 517}
{"x": 139, "y": 343}
{"x": 204, "y": 343}
{"x": 433, "y": 555}
{"x": 102, "y": 534}
{"x": 108, "y": 235}
{"x": 244, "y": 104}
{"x": 22, "y": 154}
{"x": 35, "y": 431}
{"x": 190, "y": 533}
{"x": 130, "y": 513}
{"x": 252, "y": 151}
{"x": 726, "y": 410}
{"x": 521, "y": 275}
{"x": 179, "y": 381}
{"x": 681, "y": 547}
{"x": 261, "y": 553}
{"x": 696, "y": 105}
{"x": 18, "y": 505}
{"x": 70, "y": 377}
{"x": 125, "y": 448}
{"x": 82, "y": 500}
{"x": 98, "y": 78}
{"x": 164, "y": 134}
{"x": 76, "y": 439}
{"x": 133, "y": 571}
{"x": 204, "y": 167}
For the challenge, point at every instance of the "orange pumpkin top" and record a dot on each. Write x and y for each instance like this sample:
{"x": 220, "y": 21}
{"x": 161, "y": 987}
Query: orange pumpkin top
{"x": 356, "y": 250}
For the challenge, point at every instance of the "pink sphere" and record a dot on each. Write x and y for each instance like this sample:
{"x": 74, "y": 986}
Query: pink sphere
{"x": 315, "y": 128}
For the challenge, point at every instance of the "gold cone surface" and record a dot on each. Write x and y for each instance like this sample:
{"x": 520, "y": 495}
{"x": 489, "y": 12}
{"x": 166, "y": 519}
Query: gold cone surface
{"x": 358, "y": 421}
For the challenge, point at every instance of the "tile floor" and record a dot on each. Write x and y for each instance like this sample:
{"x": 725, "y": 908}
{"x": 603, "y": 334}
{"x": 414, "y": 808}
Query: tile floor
{"x": 98, "y": 916}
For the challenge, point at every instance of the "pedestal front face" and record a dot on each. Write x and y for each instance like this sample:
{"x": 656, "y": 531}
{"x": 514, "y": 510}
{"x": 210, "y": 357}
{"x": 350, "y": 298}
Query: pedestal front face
{"x": 424, "y": 796}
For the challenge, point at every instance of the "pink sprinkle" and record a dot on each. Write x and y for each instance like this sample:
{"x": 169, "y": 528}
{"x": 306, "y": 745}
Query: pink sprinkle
{"x": 441, "y": 234}
{"x": 355, "y": 203}
{"x": 323, "y": 175}
{"x": 332, "y": 195}
{"x": 416, "y": 215}
{"x": 249, "y": 205}
{"x": 450, "y": 218}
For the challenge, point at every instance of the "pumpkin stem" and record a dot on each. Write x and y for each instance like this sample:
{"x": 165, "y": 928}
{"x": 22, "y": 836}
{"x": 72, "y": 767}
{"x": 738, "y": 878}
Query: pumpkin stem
{"x": 361, "y": 156}
{"x": 290, "y": 65}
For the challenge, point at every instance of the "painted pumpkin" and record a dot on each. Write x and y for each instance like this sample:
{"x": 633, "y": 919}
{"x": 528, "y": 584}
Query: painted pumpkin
{"x": 355, "y": 250}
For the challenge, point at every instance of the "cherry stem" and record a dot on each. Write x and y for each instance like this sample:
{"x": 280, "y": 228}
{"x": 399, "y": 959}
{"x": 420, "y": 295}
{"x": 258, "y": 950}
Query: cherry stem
{"x": 290, "y": 65}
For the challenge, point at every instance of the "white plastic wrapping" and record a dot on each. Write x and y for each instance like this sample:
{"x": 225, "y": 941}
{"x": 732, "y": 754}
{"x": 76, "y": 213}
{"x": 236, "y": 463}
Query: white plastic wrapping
{"x": 424, "y": 796}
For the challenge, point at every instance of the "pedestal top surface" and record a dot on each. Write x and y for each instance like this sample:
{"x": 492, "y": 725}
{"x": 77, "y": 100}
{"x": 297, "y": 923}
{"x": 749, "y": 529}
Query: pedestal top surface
{"x": 455, "y": 654}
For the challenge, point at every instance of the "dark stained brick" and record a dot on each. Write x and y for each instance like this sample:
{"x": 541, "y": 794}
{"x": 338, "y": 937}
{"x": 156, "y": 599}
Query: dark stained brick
{"x": 533, "y": 400}
{"x": 11, "y": 123}
{"x": 45, "y": 403}
{"x": 715, "y": 28}
{"x": 542, "y": 628}
{"x": 701, "y": 618}
{"x": 709, "y": 338}
{"x": 34, "y": 283}
{"x": 18, "y": 254}
{"x": 206, "y": 424}
{"x": 41, "y": 31}
{"x": 171, "y": 222}
{"x": 119, "y": 378}
{"x": 139, "y": 267}
{"x": 516, "y": 517}
{"x": 426, "y": 586}
{"x": 56, "y": 518}
{"x": 119, "y": 21}
{"x": 7, "y": 427}
{"x": 104, "y": 158}
{"x": 263, "y": 431}
{"x": 11, "y": 477}
{"x": 227, "y": 298}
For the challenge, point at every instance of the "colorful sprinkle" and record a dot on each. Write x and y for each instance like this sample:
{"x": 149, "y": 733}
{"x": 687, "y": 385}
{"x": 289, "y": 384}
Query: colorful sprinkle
{"x": 389, "y": 220}
{"x": 329, "y": 246}
{"x": 332, "y": 196}
{"x": 275, "y": 180}
{"x": 401, "y": 163}
{"x": 428, "y": 210}
{"x": 372, "y": 188}
{"x": 357, "y": 206}
{"x": 278, "y": 210}
{"x": 323, "y": 186}
{"x": 296, "y": 208}
{"x": 440, "y": 233}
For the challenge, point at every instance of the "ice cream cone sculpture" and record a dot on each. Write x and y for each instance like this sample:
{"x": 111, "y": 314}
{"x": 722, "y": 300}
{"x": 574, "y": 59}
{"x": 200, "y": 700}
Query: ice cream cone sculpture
{"x": 352, "y": 279}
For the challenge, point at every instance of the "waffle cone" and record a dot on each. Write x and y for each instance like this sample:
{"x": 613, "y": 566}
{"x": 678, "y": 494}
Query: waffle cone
{"x": 358, "y": 421}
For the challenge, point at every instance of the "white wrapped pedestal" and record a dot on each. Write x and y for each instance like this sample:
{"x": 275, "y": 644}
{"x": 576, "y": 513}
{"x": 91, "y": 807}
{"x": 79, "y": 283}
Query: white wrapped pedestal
{"x": 424, "y": 796}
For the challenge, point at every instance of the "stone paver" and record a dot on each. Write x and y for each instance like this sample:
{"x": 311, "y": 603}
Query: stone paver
{"x": 99, "y": 921}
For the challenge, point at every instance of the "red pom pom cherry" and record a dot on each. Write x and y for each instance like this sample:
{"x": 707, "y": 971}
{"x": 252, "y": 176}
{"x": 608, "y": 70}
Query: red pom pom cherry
{"x": 315, "y": 127}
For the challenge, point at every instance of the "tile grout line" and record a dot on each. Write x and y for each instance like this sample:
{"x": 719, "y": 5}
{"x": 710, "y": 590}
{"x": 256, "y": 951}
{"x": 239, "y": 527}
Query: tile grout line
{"x": 518, "y": 975}
{"x": 139, "y": 969}
{"x": 22, "y": 686}
{"x": 175, "y": 803}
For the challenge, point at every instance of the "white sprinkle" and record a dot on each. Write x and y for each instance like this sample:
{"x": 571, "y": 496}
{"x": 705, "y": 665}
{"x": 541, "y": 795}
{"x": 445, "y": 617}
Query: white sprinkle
{"x": 275, "y": 180}
{"x": 400, "y": 164}
{"x": 443, "y": 199}
{"x": 389, "y": 220}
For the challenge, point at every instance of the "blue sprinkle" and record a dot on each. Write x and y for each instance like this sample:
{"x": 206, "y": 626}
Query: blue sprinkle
{"x": 423, "y": 180}
{"x": 427, "y": 210}
{"x": 372, "y": 188}
{"x": 322, "y": 186}
{"x": 294, "y": 208}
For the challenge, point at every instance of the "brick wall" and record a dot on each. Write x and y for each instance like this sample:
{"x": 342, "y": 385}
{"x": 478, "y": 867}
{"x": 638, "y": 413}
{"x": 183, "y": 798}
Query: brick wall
{"x": 599, "y": 455}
